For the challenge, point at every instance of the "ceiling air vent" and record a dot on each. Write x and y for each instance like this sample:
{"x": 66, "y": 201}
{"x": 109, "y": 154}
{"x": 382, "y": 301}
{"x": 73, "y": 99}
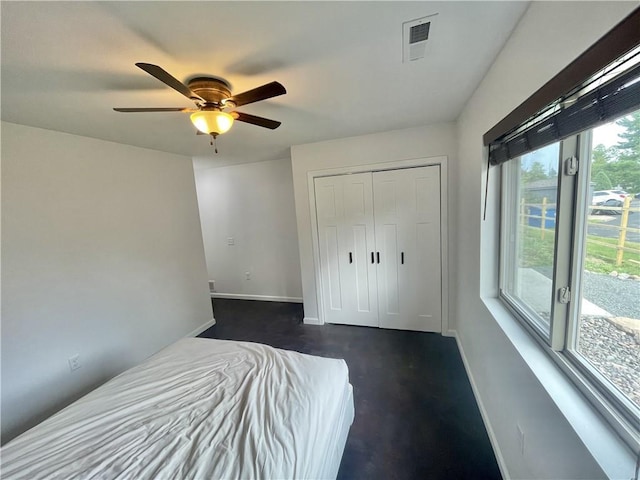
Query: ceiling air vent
{"x": 415, "y": 37}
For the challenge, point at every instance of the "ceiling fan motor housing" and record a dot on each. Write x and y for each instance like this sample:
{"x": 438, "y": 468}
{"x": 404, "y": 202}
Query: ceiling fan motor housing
{"x": 212, "y": 90}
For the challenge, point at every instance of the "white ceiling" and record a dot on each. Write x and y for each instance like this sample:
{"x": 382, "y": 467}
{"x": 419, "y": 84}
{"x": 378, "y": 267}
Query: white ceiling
{"x": 66, "y": 64}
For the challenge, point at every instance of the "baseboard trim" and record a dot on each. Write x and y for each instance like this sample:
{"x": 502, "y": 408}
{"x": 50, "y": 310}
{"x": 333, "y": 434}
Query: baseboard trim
{"x": 311, "y": 321}
{"x": 483, "y": 412}
{"x": 201, "y": 328}
{"x": 264, "y": 298}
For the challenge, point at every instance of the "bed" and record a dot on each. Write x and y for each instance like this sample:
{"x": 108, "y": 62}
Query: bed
{"x": 199, "y": 409}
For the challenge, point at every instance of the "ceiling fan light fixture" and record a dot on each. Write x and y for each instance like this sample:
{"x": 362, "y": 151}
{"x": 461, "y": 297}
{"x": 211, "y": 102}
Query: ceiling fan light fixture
{"x": 212, "y": 121}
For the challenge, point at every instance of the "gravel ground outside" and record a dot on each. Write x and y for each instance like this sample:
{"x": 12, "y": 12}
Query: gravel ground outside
{"x": 620, "y": 297}
{"x": 613, "y": 352}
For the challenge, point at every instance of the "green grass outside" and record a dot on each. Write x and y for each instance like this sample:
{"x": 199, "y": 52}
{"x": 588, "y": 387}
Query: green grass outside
{"x": 538, "y": 252}
{"x": 602, "y": 259}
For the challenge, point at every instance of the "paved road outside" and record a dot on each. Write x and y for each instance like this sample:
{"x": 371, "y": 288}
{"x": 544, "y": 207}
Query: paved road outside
{"x": 614, "y": 221}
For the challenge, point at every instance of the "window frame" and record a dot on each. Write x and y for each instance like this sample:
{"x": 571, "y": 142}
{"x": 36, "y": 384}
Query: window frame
{"x": 630, "y": 413}
{"x": 510, "y": 191}
{"x": 557, "y": 324}
{"x": 570, "y": 239}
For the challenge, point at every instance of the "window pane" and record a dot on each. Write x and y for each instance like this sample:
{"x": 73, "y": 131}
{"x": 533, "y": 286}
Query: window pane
{"x": 531, "y": 234}
{"x": 608, "y": 333}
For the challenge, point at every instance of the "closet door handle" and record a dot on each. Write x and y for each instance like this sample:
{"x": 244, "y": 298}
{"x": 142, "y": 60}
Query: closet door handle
{"x": 350, "y": 257}
{"x": 402, "y": 258}
{"x": 372, "y": 259}
{"x": 378, "y": 256}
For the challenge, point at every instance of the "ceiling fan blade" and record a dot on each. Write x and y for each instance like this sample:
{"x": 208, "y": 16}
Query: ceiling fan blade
{"x": 253, "y": 120}
{"x": 269, "y": 90}
{"x": 160, "y": 109}
{"x": 168, "y": 79}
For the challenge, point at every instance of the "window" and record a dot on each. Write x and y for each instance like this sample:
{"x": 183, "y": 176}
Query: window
{"x": 606, "y": 334}
{"x": 570, "y": 221}
{"x": 530, "y": 245}
{"x": 570, "y": 266}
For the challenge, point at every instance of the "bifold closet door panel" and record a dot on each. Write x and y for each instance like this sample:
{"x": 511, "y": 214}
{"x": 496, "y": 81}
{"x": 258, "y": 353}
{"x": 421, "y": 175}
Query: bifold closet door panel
{"x": 388, "y": 231}
{"x": 407, "y": 226}
{"x": 358, "y": 202}
{"x": 344, "y": 207}
{"x": 330, "y": 213}
{"x": 424, "y": 267}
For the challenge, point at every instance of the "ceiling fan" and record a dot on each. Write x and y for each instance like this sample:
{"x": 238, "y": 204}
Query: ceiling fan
{"x": 212, "y": 97}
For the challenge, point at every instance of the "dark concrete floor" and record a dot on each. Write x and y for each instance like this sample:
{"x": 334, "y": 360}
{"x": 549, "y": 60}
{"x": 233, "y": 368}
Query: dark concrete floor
{"x": 416, "y": 416}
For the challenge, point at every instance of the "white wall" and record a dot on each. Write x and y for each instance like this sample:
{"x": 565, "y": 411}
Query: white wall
{"x": 253, "y": 204}
{"x": 102, "y": 256}
{"x": 419, "y": 142}
{"x": 549, "y": 36}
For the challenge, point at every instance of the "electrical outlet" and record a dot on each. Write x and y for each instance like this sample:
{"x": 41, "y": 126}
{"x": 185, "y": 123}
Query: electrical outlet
{"x": 520, "y": 439}
{"x": 247, "y": 275}
{"x": 74, "y": 362}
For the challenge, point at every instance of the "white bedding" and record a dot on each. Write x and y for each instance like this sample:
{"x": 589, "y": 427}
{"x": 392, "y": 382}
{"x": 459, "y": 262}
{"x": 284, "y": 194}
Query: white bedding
{"x": 199, "y": 409}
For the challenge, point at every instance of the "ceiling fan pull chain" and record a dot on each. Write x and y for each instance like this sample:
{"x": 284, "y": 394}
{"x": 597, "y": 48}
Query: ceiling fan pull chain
{"x": 214, "y": 142}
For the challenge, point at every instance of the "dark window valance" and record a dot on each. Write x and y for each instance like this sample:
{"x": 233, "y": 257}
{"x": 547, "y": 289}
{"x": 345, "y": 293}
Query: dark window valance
{"x": 581, "y": 96}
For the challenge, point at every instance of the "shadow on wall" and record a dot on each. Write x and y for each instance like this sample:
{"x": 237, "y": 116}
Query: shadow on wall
{"x": 116, "y": 360}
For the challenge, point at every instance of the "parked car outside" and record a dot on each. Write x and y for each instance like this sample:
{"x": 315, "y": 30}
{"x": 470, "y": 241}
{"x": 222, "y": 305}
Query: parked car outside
{"x": 603, "y": 210}
{"x": 601, "y": 196}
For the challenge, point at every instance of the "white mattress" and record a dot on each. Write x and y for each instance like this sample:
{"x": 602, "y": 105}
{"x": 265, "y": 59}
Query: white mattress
{"x": 199, "y": 409}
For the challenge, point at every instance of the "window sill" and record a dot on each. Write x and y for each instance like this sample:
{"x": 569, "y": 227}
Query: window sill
{"x": 607, "y": 448}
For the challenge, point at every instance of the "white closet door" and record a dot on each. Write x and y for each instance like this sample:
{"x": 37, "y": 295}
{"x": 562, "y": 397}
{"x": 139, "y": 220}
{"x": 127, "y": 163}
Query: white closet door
{"x": 407, "y": 228}
{"x": 344, "y": 206}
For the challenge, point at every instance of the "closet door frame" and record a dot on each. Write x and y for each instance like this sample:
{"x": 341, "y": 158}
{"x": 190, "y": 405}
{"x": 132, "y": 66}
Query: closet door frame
{"x": 441, "y": 161}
